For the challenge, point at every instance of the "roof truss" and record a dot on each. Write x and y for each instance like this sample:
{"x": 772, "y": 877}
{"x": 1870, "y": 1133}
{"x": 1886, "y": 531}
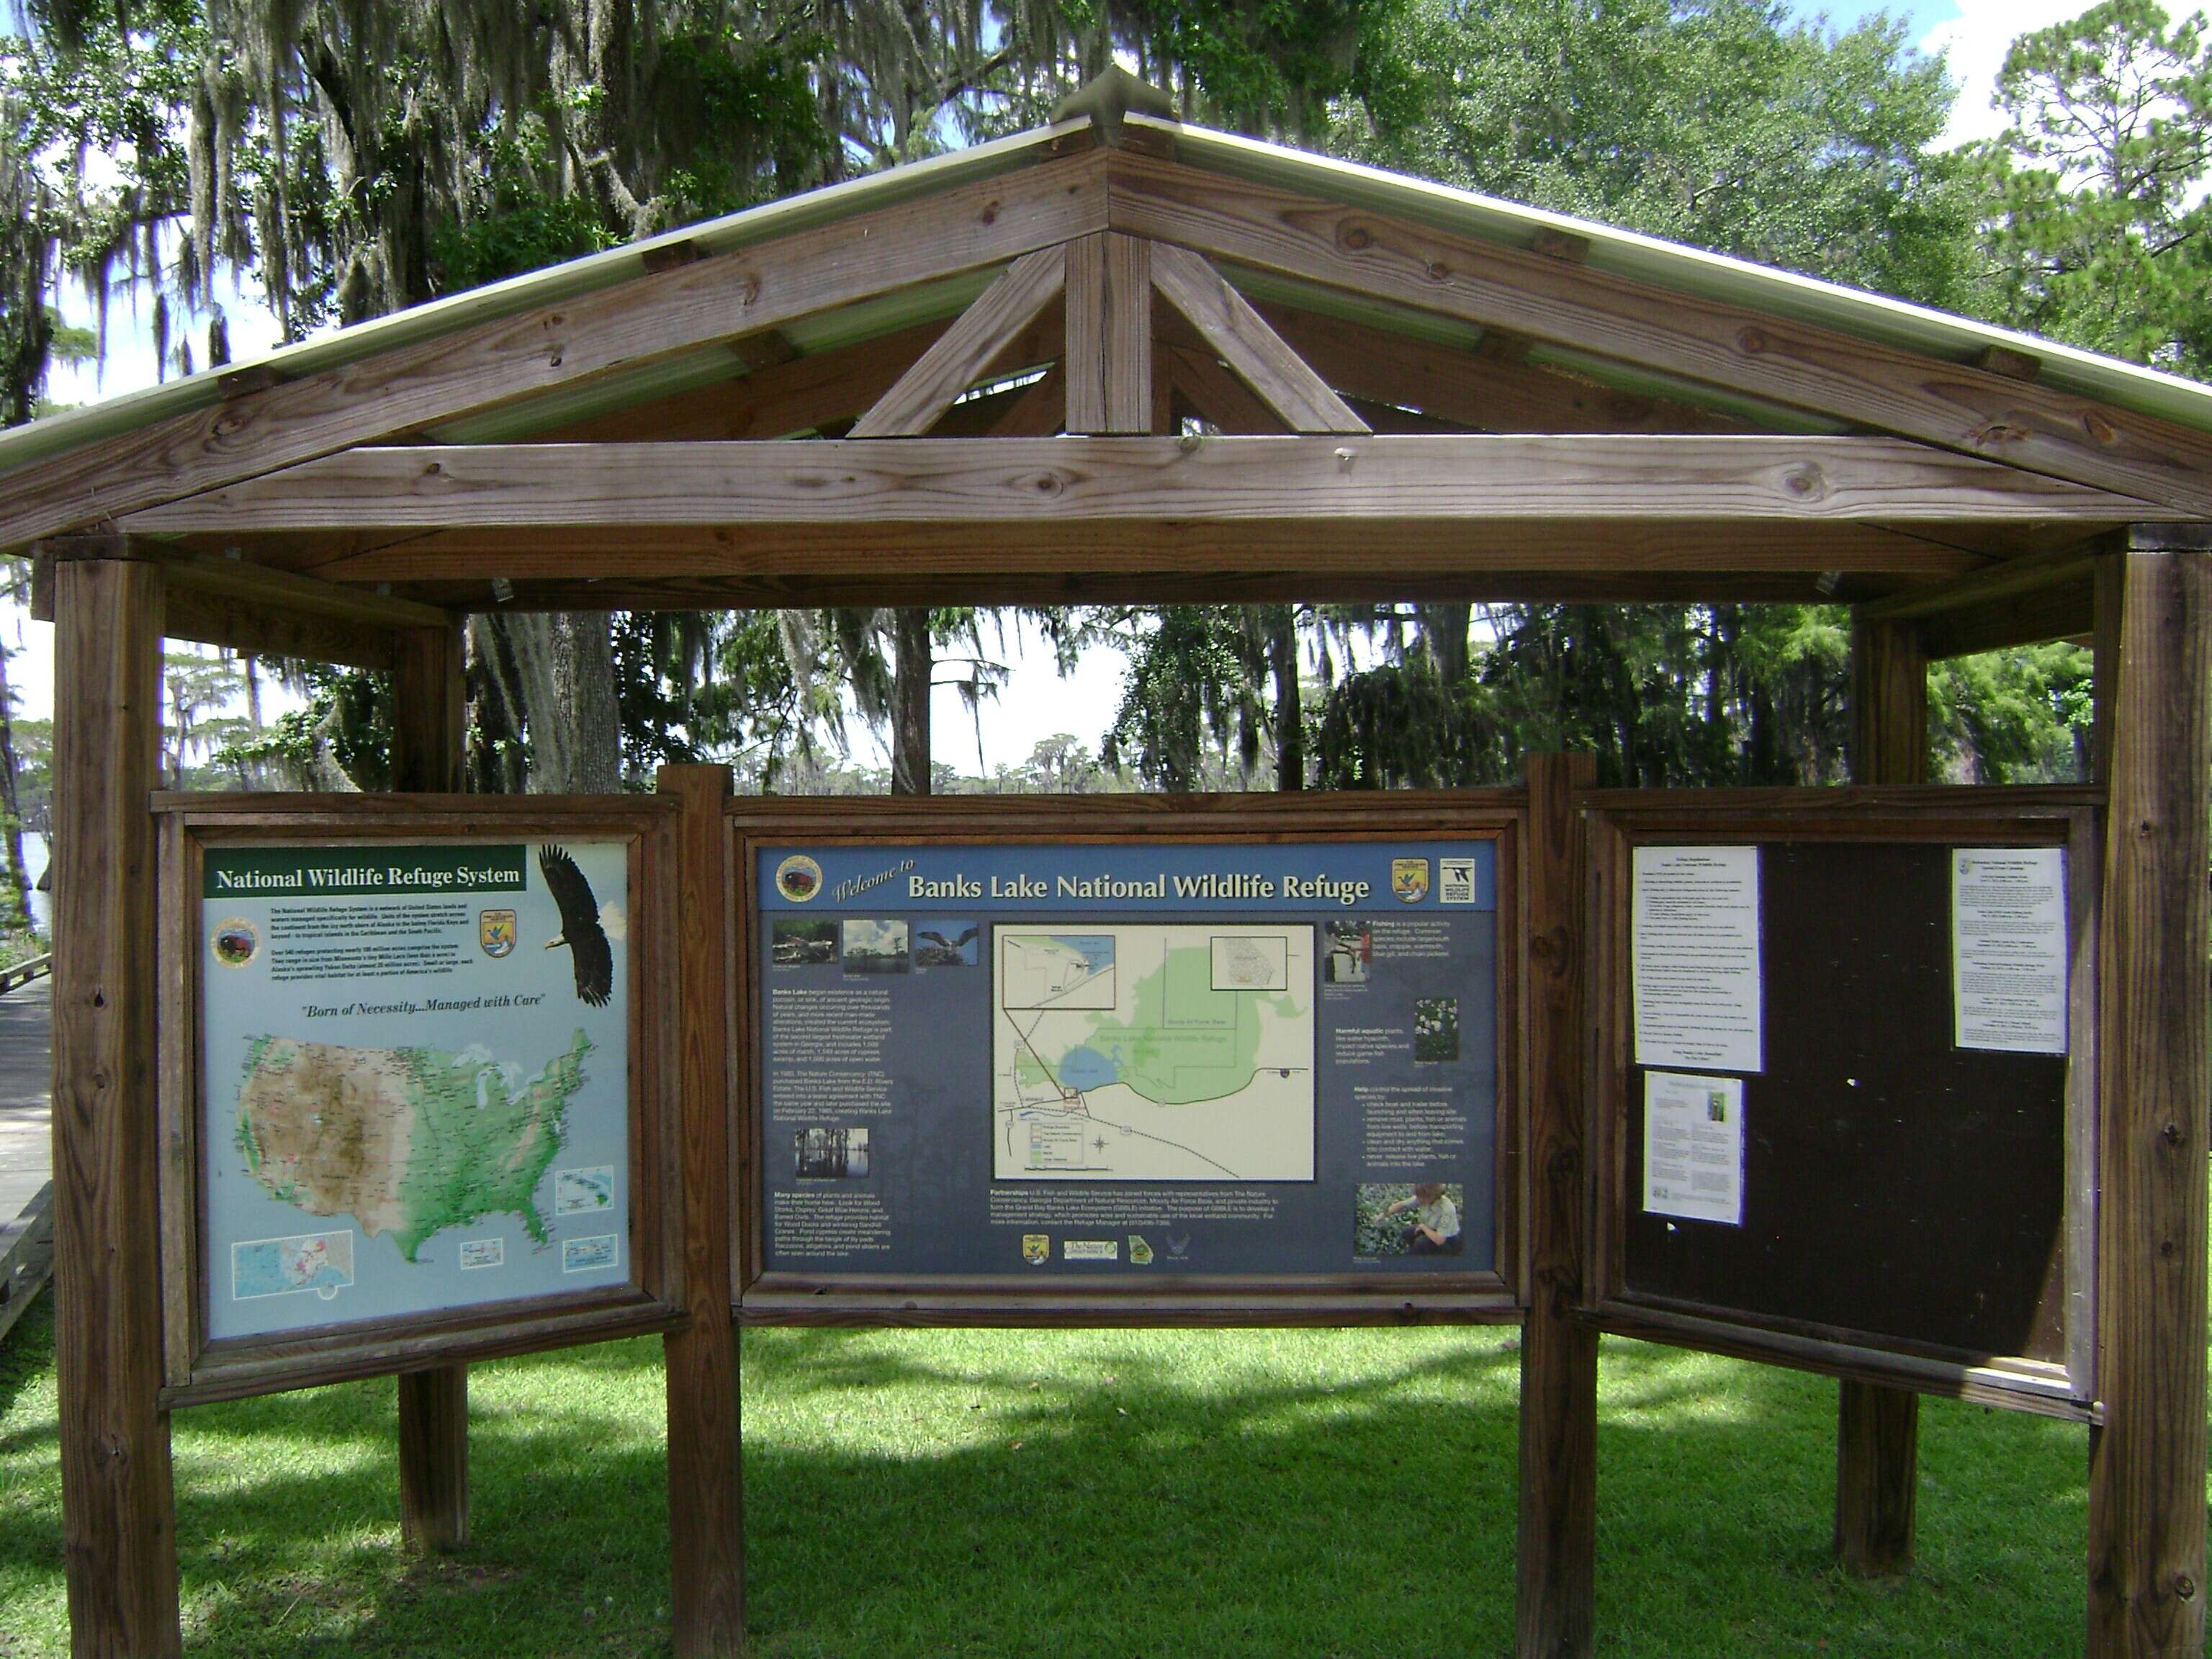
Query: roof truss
{"x": 1108, "y": 308}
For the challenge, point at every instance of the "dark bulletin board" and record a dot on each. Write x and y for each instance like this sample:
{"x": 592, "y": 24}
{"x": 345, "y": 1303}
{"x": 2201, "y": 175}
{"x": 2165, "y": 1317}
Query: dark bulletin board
{"x": 1899, "y": 1193}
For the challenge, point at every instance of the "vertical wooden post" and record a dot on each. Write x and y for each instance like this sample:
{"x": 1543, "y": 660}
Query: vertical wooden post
{"x": 1889, "y": 703}
{"x": 429, "y": 704}
{"x": 428, "y": 714}
{"x": 1878, "y": 1428}
{"x": 119, "y": 1509}
{"x": 434, "y": 1459}
{"x": 706, "y": 1509}
{"x": 1109, "y": 334}
{"x": 2146, "y": 1462}
{"x": 1557, "y": 1547}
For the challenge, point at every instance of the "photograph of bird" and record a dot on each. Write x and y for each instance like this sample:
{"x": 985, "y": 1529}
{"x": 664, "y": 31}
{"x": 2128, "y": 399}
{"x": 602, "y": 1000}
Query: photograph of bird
{"x": 592, "y": 958}
{"x": 943, "y": 943}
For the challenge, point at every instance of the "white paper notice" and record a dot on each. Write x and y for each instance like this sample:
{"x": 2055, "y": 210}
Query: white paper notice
{"x": 1693, "y": 1146}
{"x": 1694, "y": 942}
{"x": 2008, "y": 949}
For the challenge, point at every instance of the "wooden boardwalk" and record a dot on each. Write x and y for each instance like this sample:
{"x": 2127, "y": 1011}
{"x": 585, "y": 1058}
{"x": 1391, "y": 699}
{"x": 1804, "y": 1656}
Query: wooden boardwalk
{"x": 26, "y": 1147}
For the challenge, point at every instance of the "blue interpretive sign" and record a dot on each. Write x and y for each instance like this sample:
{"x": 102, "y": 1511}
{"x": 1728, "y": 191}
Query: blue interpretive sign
{"x": 1132, "y": 1060}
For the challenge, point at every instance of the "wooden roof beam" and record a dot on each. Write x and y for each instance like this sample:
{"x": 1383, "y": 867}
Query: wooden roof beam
{"x": 1048, "y": 486}
{"x": 891, "y": 585}
{"x": 964, "y": 353}
{"x": 805, "y": 273}
{"x": 1300, "y": 398}
{"x": 1218, "y": 397}
{"x": 1488, "y": 389}
{"x": 2025, "y": 424}
{"x": 212, "y": 600}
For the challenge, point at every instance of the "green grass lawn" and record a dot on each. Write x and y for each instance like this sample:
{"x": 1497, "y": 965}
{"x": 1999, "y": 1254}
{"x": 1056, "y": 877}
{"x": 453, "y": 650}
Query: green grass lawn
{"x": 1111, "y": 1493}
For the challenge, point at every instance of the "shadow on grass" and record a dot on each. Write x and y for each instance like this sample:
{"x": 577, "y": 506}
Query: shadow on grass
{"x": 1105, "y": 1493}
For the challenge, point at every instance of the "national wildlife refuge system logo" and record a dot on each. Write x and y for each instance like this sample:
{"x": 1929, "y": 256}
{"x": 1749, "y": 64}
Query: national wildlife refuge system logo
{"x": 798, "y": 879}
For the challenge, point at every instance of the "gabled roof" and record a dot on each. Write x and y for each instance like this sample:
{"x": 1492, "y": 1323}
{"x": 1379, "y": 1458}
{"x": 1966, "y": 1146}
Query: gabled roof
{"x": 1123, "y": 360}
{"x": 1643, "y": 259}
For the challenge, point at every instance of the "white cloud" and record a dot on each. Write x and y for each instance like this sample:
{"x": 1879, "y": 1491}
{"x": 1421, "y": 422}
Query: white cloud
{"x": 1974, "y": 43}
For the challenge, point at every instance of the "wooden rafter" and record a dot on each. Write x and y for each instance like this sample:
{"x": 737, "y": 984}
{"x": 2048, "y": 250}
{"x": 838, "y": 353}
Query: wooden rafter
{"x": 984, "y": 334}
{"x": 1038, "y": 411}
{"x": 1218, "y": 395}
{"x": 1225, "y": 320}
{"x": 809, "y": 272}
{"x": 1480, "y": 389}
{"x": 772, "y": 401}
{"x": 1759, "y": 354}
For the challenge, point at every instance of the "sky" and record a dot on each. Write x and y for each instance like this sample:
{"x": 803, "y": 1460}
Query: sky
{"x": 1036, "y": 702}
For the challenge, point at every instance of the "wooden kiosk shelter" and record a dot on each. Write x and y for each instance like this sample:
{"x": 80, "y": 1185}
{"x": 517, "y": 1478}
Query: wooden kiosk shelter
{"x": 1124, "y": 358}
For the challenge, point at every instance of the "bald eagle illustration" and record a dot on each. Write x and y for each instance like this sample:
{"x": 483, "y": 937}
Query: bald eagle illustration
{"x": 592, "y": 958}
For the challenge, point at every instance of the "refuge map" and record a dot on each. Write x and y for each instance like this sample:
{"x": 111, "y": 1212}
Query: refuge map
{"x": 407, "y": 1141}
{"x": 1154, "y": 1052}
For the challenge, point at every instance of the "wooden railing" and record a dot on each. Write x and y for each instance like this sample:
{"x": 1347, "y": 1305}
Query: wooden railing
{"x": 26, "y": 1256}
{"x": 22, "y": 972}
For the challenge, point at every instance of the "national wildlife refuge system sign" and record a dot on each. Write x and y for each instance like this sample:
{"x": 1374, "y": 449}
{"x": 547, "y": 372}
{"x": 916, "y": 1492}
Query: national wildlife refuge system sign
{"x": 414, "y": 1079}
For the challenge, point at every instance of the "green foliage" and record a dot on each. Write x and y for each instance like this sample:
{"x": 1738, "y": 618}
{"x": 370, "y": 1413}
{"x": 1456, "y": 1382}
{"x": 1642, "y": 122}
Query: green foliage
{"x": 342, "y": 737}
{"x": 1191, "y": 683}
{"x": 1661, "y": 695}
{"x": 1722, "y": 123}
{"x": 2012, "y": 716}
{"x": 2097, "y": 192}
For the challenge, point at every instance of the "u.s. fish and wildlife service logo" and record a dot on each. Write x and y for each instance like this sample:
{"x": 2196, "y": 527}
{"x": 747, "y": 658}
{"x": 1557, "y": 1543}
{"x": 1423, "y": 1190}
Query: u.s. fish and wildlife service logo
{"x": 495, "y": 931}
{"x": 1409, "y": 879}
{"x": 1036, "y": 1249}
{"x": 798, "y": 879}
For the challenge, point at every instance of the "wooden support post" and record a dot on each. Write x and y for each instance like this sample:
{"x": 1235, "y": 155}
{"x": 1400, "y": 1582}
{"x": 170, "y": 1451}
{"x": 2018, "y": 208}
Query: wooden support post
{"x": 428, "y": 711}
{"x": 430, "y": 701}
{"x": 119, "y": 1509}
{"x": 1877, "y": 1477}
{"x": 1558, "y": 1534}
{"x": 1889, "y": 703}
{"x": 1878, "y": 1428}
{"x": 1110, "y": 335}
{"x": 2147, "y": 1461}
{"x": 706, "y": 1510}
{"x": 434, "y": 1459}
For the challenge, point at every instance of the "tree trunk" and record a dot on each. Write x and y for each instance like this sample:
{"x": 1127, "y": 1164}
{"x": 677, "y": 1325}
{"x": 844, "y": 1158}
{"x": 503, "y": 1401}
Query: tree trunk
{"x": 564, "y": 666}
{"x": 910, "y": 755}
{"x": 1443, "y": 636}
{"x": 1282, "y": 626}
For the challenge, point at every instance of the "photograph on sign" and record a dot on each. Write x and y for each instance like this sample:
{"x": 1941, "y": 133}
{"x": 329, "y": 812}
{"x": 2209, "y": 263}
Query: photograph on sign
{"x": 1694, "y": 942}
{"x": 1135, "y": 1059}
{"x": 414, "y": 1078}
{"x": 2008, "y": 949}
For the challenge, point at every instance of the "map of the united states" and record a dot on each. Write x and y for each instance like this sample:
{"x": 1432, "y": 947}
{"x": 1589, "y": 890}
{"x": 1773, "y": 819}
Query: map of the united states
{"x": 408, "y": 1141}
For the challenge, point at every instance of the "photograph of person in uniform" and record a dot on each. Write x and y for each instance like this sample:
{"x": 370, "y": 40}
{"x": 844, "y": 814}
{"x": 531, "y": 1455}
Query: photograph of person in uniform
{"x": 1435, "y": 1227}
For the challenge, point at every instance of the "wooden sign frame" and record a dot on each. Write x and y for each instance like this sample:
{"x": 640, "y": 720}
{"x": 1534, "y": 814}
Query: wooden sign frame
{"x": 198, "y": 1367}
{"x": 1620, "y": 820}
{"x": 1497, "y": 815}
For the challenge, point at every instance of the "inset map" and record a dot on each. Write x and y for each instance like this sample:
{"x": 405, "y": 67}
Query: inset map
{"x": 321, "y": 1262}
{"x": 1154, "y": 1052}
